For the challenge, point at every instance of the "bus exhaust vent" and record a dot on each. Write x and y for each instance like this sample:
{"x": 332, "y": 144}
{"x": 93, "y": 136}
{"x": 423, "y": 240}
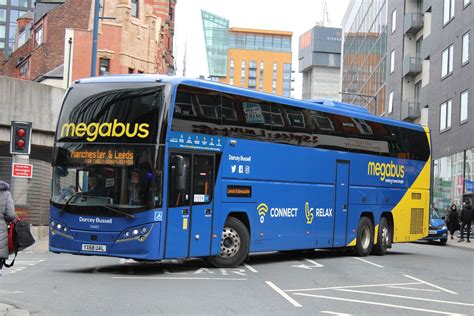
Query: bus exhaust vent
{"x": 416, "y": 224}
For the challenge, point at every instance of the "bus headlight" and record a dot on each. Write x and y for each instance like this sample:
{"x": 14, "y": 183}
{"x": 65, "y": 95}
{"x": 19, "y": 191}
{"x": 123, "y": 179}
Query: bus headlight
{"x": 60, "y": 229}
{"x": 139, "y": 233}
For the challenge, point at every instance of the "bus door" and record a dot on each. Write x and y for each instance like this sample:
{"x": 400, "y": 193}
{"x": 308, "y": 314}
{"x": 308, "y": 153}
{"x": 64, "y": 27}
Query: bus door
{"x": 342, "y": 201}
{"x": 189, "y": 215}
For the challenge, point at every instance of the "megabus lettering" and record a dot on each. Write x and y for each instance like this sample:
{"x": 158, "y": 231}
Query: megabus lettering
{"x": 385, "y": 170}
{"x": 115, "y": 129}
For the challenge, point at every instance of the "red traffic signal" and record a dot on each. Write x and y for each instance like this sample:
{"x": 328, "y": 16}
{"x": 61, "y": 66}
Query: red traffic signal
{"x": 20, "y": 132}
{"x": 20, "y": 141}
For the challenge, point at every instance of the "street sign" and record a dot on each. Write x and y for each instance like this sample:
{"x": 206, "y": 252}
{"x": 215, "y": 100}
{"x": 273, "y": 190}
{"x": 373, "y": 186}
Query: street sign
{"x": 22, "y": 170}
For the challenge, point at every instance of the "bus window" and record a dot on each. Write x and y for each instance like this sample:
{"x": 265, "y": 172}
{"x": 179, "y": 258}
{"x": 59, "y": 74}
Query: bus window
{"x": 202, "y": 183}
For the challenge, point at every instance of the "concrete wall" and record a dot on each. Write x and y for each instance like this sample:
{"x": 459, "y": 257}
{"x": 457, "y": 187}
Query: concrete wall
{"x": 33, "y": 102}
{"x": 322, "y": 83}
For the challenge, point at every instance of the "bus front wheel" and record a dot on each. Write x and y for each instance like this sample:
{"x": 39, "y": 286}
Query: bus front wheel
{"x": 234, "y": 247}
{"x": 365, "y": 237}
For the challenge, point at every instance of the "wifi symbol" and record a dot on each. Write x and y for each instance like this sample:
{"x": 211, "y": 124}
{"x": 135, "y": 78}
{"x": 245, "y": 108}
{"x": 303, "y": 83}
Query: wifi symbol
{"x": 262, "y": 209}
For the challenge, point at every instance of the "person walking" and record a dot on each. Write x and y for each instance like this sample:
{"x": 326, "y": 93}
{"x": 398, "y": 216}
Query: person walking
{"x": 466, "y": 218}
{"x": 452, "y": 220}
{"x": 7, "y": 214}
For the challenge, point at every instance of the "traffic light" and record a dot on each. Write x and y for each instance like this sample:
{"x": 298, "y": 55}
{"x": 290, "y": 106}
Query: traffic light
{"x": 20, "y": 138}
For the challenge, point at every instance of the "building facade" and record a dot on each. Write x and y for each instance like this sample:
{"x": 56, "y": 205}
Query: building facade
{"x": 59, "y": 37}
{"x": 319, "y": 58}
{"x": 364, "y": 54}
{"x": 10, "y": 11}
{"x": 249, "y": 58}
{"x": 425, "y": 77}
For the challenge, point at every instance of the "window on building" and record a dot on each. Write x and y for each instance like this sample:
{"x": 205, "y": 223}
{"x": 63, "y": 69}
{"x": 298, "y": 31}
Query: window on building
{"x": 448, "y": 11}
{"x": 39, "y": 36}
{"x": 2, "y": 31}
{"x": 390, "y": 102}
{"x": 465, "y": 48}
{"x": 231, "y": 81}
{"x": 3, "y": 14}
{"x": 104, "y": 67}
{"x": 2, "y": 45}
{"x": 445, "y": 116}
{"x": 392, "y": 61}
{"x": 134, "y": 8}
{"x": 447, "y": 61}
{"x": 394, "y": 20}
{"x": 464, "y": 106}
{"x": 131, "y": 70}
{"x": 24, "y": 69}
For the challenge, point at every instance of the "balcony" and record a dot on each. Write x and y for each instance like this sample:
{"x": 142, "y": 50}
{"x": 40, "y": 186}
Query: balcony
{"x": 412, "y": 66}
{"x": 413, "y": 22}
{"x": 427, "y": 5}
{"x": 410, "y": 110}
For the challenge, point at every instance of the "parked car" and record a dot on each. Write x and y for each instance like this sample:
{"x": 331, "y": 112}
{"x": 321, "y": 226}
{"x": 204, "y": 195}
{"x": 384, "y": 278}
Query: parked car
{"x": 437, "y": 228}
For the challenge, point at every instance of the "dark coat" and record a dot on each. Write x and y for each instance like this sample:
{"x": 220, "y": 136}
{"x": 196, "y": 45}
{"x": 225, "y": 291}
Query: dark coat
{"x": 452, "y": 220}
{"x": 7, "y": 214}
{"x": 466, "y": 213}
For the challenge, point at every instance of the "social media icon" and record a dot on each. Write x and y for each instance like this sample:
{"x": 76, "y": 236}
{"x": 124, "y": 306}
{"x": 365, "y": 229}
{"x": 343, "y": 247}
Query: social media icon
{"x": 233, "y": 168}
{"x": 241, "y": 169}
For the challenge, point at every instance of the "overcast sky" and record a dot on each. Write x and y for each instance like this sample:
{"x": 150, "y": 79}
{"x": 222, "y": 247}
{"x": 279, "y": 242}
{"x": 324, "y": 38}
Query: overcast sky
{"x": 297, "y": 16}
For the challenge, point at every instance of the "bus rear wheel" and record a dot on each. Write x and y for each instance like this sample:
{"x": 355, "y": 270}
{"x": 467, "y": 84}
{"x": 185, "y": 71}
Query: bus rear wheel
{"x": 365, "y": 237}
{"x": 234, "y": 247}
{"x": 383, "y": 238}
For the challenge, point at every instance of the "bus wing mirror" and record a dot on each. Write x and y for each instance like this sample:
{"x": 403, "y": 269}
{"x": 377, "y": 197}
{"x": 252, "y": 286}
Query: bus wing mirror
{"x": 181, "y": 174}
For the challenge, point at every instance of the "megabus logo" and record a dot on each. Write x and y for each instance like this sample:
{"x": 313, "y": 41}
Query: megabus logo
{"x": 115, "y": 129}
{"x": 388, "y": 172}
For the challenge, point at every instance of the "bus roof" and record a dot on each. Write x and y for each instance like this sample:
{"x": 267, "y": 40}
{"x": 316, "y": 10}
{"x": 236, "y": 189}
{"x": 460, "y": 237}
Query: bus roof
{"x": 329, "y": 106}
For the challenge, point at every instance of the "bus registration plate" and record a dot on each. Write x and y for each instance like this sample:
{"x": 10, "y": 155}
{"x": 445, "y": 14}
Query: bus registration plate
{"x": 91, "y": 247}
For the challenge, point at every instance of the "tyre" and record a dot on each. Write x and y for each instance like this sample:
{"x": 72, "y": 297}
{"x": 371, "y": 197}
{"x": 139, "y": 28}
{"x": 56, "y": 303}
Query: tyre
{"x": 384, "y": 237}
{"x": 443, "y": 241}
{"x": 235, "y": 243}
{"x": 365, "y": 237}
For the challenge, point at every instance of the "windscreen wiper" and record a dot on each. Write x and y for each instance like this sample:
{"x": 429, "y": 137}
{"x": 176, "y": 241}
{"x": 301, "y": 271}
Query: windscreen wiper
{"x": 119, "y": 211}
{"x": 85, "y": 196}
{"x": 61, "y": 209}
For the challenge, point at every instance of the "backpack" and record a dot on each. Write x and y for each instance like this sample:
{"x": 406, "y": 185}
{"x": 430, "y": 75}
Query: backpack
{"x": 19, "y": 238}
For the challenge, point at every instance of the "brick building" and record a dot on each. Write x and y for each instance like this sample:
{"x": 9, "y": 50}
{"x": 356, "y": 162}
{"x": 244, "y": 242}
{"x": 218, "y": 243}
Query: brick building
{"x": 137, "y": 40}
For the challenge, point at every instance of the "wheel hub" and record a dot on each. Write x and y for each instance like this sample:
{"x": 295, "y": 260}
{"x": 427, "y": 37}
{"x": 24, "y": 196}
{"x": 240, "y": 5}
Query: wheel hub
{"x": 230, "y": 242}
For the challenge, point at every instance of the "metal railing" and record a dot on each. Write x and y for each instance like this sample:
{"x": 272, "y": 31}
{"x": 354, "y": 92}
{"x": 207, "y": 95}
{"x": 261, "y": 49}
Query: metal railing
{"x": 410, "y": 110}
{"x": 413, "y": 22}
{"x": 412, "y": 66}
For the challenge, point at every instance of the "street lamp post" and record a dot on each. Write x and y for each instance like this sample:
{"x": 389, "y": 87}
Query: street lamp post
{"x": 374, "y": 97}
{"x": 94, "y": 37}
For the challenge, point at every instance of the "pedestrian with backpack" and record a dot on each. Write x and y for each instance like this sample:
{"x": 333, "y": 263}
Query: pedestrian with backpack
{"x": 7, "y": 215}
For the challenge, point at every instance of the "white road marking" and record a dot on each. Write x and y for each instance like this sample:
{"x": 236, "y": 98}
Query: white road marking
{"x": 407, "y": 297}
{"x": 374, "y": 264}
{"x": 314, "y": 264}
{"x": 414, "y": 289}
{"x": 334, "y": 313}
{"x": 250, "y": 268}
{"x": 177, "y": 278}
{"x": 22, "y": 264}
{"x": 349, "y": 286}
{"x": 2, "y": 292}
{"x": 435, "y": 286}
{"x": 377, "y": 303}
{"x": 283, "y": 294}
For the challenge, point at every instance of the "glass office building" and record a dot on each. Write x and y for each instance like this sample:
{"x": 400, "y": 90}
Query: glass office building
{"x": 216, "y": 35}
{"x": 10, "y": 10}
{"x": 364, "y": 52}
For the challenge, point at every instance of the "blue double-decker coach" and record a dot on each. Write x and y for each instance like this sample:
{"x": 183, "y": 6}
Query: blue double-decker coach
{"x": 153, "y": 167}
